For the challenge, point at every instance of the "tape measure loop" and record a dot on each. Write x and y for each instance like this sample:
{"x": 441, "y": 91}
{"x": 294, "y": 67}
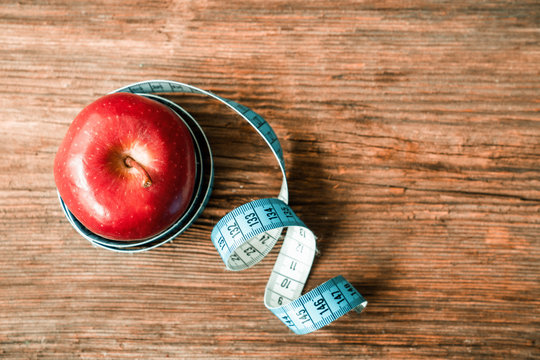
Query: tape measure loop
{"x": 249, "y": 232}
{"x": 246, "y": 235}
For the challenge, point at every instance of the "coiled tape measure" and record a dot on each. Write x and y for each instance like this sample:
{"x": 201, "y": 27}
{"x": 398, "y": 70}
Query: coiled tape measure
{"x": 246, "y": 235}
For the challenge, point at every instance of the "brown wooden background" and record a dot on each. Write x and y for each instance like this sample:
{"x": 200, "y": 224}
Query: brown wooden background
{"x": 411, "y": 133}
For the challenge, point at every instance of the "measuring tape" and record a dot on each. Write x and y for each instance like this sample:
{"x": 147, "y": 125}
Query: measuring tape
{"x": 246, "y": 235}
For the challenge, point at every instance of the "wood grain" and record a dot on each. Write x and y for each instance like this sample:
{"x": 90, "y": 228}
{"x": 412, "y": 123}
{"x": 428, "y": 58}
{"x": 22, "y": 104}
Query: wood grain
{"x": 411, "y": 134}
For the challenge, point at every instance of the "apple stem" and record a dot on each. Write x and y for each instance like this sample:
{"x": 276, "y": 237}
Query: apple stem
{"x": 132, "y": 163}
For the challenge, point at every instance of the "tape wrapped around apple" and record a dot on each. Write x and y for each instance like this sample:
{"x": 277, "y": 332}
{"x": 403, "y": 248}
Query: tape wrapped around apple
{"x": 127, "y": 167}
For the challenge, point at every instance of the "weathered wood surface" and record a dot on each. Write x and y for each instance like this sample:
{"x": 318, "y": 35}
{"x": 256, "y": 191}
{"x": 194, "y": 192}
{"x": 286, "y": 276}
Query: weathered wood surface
{"x": 411, "y": 133}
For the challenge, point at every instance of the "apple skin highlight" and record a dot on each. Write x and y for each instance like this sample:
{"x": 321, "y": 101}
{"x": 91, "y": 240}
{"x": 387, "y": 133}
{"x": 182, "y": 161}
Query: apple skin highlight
{"x": 126, "y": 167}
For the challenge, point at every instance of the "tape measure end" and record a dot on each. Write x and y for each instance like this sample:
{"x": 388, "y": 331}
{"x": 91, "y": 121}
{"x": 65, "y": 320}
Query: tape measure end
{"x": 360, "y": 308}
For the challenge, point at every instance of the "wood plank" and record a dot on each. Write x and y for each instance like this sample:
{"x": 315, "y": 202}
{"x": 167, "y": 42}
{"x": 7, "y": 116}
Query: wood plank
{"x": 411, "y": 136}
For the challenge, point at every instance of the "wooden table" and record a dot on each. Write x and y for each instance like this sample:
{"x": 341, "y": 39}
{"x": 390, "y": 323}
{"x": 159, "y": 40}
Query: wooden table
{"x": 411, "y": 134}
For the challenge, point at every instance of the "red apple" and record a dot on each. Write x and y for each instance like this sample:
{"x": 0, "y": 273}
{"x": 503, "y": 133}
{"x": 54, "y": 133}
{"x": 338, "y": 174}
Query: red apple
{"x": 126, "y": 168}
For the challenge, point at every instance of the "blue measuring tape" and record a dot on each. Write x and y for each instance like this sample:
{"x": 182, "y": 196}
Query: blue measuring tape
{"x": 246, "y": 235}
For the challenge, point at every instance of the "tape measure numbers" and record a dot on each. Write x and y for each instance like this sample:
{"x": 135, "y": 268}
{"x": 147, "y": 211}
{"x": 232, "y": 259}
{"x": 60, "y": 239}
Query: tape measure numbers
{"x": 246, "y": 235}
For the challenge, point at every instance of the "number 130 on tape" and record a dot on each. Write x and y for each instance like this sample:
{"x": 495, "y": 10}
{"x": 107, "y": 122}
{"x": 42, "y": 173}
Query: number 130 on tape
{"x": 246, "y": 235}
